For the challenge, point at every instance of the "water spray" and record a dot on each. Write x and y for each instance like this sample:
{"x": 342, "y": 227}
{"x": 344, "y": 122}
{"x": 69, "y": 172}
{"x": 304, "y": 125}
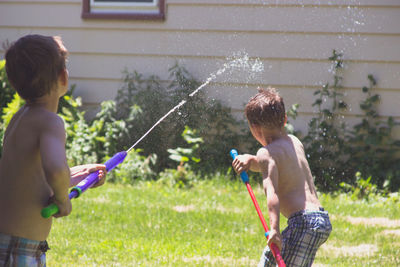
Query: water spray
{"x": 239, "y": 61}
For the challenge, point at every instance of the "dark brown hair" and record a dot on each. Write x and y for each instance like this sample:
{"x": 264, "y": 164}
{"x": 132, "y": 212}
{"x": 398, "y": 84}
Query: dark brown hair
{"x": 34, "y": 63}
{"x": 266, "y": 109}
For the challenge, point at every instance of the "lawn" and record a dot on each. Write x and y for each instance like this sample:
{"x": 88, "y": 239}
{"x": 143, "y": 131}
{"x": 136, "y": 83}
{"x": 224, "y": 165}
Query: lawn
{"x": 211, "y": 224}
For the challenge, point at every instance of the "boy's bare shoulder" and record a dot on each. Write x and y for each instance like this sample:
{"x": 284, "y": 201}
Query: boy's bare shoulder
{"x": 45, "y": 118}
{"x": 270, "y": 154}
{"x": 280, "y": 149}
{"x": 43, "y": 121}
{"x": 264, "y": 153}
{"x": 295, "y": 140}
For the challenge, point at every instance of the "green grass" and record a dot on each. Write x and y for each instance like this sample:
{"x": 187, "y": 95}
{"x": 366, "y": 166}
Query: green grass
{"x": 117, "y": 225}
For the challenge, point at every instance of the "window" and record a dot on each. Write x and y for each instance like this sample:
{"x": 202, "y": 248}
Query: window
{"x": 123, "y": 9}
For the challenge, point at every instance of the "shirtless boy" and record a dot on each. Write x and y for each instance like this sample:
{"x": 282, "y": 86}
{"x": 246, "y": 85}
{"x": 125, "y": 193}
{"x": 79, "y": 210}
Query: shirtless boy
{"x": 287, "y": 181}
{"x": 33, "y": 167}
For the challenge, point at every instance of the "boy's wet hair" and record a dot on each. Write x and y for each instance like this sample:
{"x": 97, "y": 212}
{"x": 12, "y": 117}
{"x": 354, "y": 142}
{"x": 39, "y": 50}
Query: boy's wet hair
{"x": 34, "y": 63}
{"x": 266, "y": 109}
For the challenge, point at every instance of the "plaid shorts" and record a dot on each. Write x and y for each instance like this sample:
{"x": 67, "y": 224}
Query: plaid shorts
{"x": 305, "y": 233}
{"x": 18, "y": 251}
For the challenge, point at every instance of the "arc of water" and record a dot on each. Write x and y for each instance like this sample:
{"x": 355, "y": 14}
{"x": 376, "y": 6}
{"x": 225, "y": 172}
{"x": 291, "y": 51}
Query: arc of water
{"x": 240, "y": 61}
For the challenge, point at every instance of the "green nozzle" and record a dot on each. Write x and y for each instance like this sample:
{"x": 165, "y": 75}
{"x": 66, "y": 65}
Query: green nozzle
{"x": 50, "y": 210}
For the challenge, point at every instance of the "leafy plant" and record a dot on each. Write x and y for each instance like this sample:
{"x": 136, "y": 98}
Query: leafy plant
{"x": 134, "y": 168}
{"x": 154, "y": 98}
{"x": 325, "y": 140}
{"x": 336, "y": 153}
{"x": 373, "y": 150}
{"x": 185, "y": 156}
{"x": 291, "y": 113}
{"x": 362, "y": 188}
{"x": 6, "y": 91}
{"x": 80, "y": 142}
{"x": 8, "y": 112}
{"x": 6, "y": 96}
{"x": 183, "y": 175}
{"x": 12, "y": 108}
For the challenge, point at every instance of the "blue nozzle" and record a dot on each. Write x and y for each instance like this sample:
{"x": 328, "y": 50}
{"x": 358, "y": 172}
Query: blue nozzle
{"x": 243, "y": 175}
{"x": 115, "y": 160}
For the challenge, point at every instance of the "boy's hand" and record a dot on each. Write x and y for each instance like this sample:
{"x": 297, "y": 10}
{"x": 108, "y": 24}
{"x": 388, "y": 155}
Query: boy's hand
{"x": 64, "y": 207}
{"x": 242, "y": 163}
{"x": 78, "y": 173}
{"x": 276, "y": 238}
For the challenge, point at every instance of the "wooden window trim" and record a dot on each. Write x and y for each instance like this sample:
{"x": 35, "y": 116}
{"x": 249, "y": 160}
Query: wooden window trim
{"x": 86, "y": 14}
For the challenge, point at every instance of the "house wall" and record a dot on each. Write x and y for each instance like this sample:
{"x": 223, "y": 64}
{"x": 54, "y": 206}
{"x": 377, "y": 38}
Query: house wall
{"x": 292, "y": 38}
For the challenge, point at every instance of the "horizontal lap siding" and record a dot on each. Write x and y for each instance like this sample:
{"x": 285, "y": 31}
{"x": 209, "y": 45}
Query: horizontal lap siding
{"x": 292, "y": 40}
{"x": 382, "y": 20}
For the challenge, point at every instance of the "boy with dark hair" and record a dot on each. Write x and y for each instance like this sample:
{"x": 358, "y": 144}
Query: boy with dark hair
{"x": 33, "y": 167}
{"x": 287, "y": 181}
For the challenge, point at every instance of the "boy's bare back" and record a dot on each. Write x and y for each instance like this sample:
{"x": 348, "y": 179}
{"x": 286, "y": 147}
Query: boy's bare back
{"x": 296, "y": 190}
{"x": 34, "y": 148}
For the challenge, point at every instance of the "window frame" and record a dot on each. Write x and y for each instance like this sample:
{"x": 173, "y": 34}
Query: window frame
{"x": 87, "y": 14}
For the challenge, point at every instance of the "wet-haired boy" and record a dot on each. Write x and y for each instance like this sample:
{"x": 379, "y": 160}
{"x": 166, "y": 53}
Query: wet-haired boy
{"x": 33, "y": 167}
{"x": 287, "y": 181}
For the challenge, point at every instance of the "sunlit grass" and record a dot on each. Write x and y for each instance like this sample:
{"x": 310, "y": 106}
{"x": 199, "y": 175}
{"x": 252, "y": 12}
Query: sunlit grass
{"x": 211, "y": 224}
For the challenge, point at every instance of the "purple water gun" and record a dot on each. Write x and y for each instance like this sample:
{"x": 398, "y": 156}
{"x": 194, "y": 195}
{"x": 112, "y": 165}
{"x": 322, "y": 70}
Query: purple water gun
{"x": 86, "y": 183}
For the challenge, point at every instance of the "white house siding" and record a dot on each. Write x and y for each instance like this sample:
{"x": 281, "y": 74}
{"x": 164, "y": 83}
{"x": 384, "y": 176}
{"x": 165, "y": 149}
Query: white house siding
{"x": 292, "y": 38}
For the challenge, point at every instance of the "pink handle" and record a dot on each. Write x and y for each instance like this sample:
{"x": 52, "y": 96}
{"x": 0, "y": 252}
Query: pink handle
{"x": 277, "y": 255}
{"x": 274, "y": 248}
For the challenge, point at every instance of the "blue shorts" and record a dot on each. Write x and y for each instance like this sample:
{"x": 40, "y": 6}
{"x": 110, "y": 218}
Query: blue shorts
{"x": 18, "y": 251}
{"x": 305, "y": 233}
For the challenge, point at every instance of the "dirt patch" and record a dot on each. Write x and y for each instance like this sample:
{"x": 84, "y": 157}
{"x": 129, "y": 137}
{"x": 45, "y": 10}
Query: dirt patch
{"x": 101, "y": 199}
{"x": 361, "y": 250}
{"x": 217, "y": 260}
{"x": 219, "y": 208}
{"x": 392, "y": 232}
{"x": 184, "y": 208}
{"x": 379, "y": 221}
{"x": 223, "y": 209}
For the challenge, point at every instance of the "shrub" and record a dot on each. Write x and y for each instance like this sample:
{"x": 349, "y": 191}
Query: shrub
{"x": 186, "y": 157}
{"x": 336, "y": 153}
{"x": 373, "y": 150}
{"x": 134, "y": 168}
{"x": 81, "y": 138}
{"x": 154, "y": 98}
{"x": 325, "y": 140}
{"x": 8, "y": 112}
{"x": 6, "y": 95}
{"x": 6, "y": 91}
{"x": 362, "y": 188}
{"x": 94, "y": 140}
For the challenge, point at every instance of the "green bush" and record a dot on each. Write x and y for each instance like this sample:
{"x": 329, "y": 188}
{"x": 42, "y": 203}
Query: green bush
{"x": 325, "y": 140}
{"x": 187, "y": 159}
{"x": 336, "y": 153}
{"x": 6, "y": 96}
{"x": 372, "y": 148}
{"x": 80, "y": 141}
{"x": 6, "y": 91}
{"x": 154, "y": 98}
{"x": 135, "y": 168}
{"x": 90, "y": 141}
{"x": 362, "y": 188}
{"x": 187, "y": 156}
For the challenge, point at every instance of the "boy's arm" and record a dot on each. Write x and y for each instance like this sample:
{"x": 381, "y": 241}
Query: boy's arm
{"x": 54, "y": 162}
{"x": 245, "y": 162}
{"x": 270, "y": 176}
